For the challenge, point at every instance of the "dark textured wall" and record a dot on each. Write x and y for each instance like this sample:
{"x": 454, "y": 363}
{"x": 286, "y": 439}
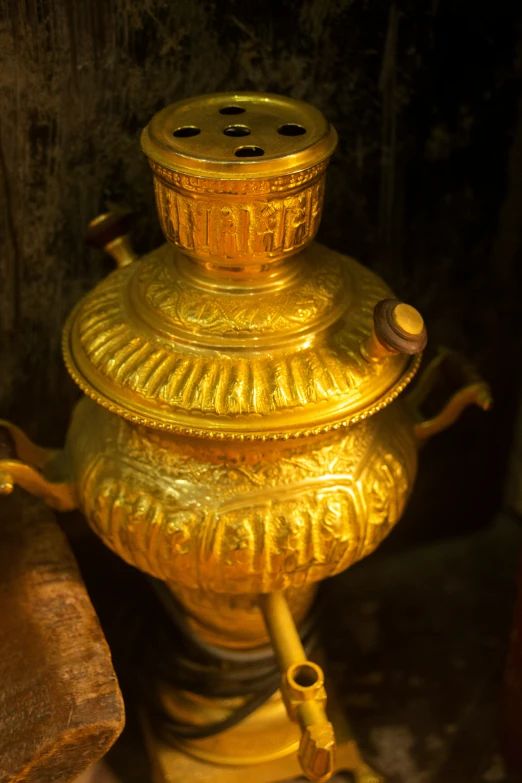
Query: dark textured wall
{"x": 426, "y": 185}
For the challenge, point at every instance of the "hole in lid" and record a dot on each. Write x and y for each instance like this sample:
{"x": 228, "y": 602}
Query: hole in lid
{"x": 186, "y": 131}
{"x": 231, "y": 110}
{"x": 249, "y": 152}
{"x": 237, "y": 130}
{"x": 291, "y": 129}
{"x": 305, "y": 675}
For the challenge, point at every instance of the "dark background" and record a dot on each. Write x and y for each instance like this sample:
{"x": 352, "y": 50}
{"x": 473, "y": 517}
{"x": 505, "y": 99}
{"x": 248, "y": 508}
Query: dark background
{"x": 426, "y": 185}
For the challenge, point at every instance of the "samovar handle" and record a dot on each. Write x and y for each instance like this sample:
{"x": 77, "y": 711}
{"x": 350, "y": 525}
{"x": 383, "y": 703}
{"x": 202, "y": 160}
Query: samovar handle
{"x": 25, "y": 464}
{"x": 302, "y": 687}
{"x": 399, "y": 328}
{"x": 110, "y": 232}
{"x": 473, "y": 391}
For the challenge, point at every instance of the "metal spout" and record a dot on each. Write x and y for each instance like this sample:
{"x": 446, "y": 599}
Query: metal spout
{"x": 302, "y": 687}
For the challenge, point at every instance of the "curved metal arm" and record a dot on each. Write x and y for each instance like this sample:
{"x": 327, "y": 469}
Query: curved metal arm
{"x": 25, "y": 449}
{"x": 60, "y": 496}
{"x": 25, "y": 464}
{"x": 474, "y": 391}
{"x": 302, "y": 686}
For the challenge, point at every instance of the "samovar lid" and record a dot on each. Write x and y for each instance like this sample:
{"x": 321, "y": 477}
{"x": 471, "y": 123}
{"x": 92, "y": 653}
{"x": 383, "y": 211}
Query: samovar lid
{"x": 242, "y": 135}
{"x": 240, "y": 326}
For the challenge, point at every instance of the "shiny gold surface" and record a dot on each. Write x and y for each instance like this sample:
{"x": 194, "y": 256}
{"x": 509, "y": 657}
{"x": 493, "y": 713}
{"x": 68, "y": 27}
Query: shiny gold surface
{"x": 242, "y": 341}
{"x": 231, "y": 518}
{"x": 253, "y": 209}
{"x": 302, "y": 686}
{"x": 408, "y": 319}
{"x": 178, "y": 765}
{"x": 272, "y": 356}
{"x": 212, "y": 153}
{"x": 473, "y": 391}
{"x": 121, "y": 250}
{"x": 238, "y": 439}
{"x": 264, "y": 736}
{"x": 39, "y": 471}
{"x": 231, "y": 229}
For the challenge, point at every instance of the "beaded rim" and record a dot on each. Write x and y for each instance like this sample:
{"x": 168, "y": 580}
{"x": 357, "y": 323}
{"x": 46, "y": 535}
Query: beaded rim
{"x": 397, "y": 388}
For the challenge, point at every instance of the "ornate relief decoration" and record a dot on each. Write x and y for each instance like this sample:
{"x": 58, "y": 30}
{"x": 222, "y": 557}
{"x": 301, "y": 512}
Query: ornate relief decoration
{"x": 242, "y": 524}
{"x": 151, "y": 339}
{"x": 253, "y": 227}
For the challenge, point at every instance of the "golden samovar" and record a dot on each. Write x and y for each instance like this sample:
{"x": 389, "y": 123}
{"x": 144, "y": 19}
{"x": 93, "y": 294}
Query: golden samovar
{"x": 241, "y": 435}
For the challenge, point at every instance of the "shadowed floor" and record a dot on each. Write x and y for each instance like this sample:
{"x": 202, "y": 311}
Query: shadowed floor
{"x": 418, "y": 649}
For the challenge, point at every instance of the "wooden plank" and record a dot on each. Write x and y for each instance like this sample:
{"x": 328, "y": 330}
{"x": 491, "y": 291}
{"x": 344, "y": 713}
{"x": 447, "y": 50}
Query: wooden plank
{"x": 60, "y": 703}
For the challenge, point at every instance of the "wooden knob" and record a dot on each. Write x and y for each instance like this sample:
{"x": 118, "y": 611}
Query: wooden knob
{"x": 110, "y": 232}
{"x": 109, "y": 226}
{"x": 397, "y": 328}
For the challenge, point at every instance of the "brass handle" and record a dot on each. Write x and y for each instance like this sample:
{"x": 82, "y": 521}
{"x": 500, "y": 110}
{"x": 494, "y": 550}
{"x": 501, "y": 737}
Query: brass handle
{"x": 474, "y": 391}
{"x": 23, "y": 463}
{"x": 302, "y": 687}
{"x": 110, "y": 232}
{"x": 397, "y": 328}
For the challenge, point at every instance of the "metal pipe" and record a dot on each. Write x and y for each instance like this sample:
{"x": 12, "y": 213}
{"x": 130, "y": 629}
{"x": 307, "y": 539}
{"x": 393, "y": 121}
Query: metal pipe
{"x": 302, "y": 687}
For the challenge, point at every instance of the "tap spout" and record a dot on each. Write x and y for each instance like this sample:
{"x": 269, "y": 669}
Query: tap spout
{"x": 302, "y": 687}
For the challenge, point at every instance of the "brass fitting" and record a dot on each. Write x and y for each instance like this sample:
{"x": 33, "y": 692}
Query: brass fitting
{"x": 397, "y": 328}
{"x": 110, "y": 232}
{"x": 302, "y": 687}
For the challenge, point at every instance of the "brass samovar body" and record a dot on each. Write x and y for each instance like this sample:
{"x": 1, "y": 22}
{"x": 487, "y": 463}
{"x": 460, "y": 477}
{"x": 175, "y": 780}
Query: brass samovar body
{"x": 223, "y": 522}
{"x": 240, "y": 437}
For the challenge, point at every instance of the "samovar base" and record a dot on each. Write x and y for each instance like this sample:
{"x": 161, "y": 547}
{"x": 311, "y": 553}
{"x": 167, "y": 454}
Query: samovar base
{"x": 174, "y": 765}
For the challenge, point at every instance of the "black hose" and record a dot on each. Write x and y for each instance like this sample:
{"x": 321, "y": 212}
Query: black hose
{"x": 174, "y": 655}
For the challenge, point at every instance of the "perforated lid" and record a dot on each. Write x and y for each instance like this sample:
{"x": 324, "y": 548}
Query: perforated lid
{"x": 246, "y": 135}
